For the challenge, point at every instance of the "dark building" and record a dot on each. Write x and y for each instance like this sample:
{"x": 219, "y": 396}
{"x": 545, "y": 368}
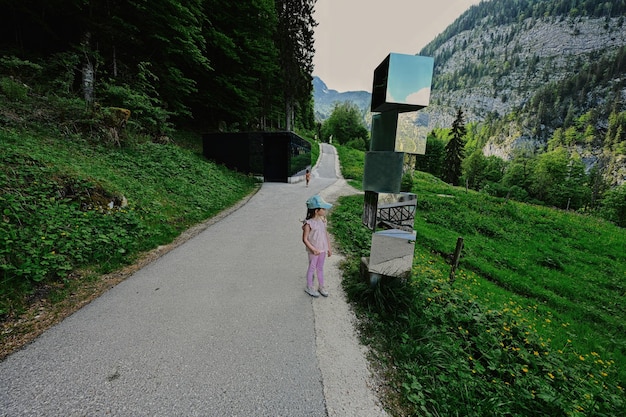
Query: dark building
{"x": 276, "y": 156}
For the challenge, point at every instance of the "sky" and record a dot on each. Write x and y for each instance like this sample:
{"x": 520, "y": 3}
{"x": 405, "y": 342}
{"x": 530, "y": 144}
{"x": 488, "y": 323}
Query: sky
{"x": 354, "y": 36}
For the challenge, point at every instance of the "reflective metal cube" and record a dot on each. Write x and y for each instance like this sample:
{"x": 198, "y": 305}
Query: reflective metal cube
{"x": 382, "y": 171}
{"x": 391, "y": 253}
{"x": 402, "y": 83}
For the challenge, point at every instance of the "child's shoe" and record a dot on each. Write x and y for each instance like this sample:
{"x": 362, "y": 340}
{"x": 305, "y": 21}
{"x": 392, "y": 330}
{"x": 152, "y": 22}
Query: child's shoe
{"x": 323, "y": 291}
{"x": 312, "y": 292}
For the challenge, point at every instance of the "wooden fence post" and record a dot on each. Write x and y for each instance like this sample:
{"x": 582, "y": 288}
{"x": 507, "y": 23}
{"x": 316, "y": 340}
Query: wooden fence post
{"x": 456, "y": 257}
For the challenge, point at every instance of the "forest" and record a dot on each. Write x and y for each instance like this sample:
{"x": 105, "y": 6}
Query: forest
{"x": 554, "y": 177}
{"x": 202, "y": 64}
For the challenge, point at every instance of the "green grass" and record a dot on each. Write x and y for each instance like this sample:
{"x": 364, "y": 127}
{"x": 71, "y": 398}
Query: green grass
{"x": 533, "y": 325}
{"x": 351, "y": 161}
{"x": 55, "y": 198}
{"x": 315, "y": 151}
{"x": 574, "y": 264}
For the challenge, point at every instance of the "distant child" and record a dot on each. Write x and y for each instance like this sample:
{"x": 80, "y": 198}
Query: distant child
{"x": 308, "y": 177}
{"x": 315, "y": 238}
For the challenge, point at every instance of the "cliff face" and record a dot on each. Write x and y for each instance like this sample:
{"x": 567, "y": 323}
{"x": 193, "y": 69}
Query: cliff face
{"x": 533, "y": 77}
{"x": 497, "y": 69}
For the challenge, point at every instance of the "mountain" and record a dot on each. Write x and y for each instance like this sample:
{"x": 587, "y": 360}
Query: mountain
{"x": 534, "y": 75}
{"x": 537, "y": 74}
{"x": 325, "y": 99}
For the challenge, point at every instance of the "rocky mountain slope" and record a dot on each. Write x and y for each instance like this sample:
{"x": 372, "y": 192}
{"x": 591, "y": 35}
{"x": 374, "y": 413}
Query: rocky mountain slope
{"x": 498, "y": 68}
{"x": 326, "y": 98}
{"x": 526, "y": 69}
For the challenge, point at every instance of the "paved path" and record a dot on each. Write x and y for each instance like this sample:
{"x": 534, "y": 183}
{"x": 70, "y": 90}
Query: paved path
{"x": 219, "y": 326}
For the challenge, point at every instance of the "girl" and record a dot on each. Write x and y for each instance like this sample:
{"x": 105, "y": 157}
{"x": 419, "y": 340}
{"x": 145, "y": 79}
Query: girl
{"x": 317, "y": 242}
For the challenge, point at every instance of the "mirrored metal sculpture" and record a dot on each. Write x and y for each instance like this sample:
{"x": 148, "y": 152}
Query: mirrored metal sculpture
{"x": 392, "y": 253}
{"x": 396, "y": 211}
{"x": 401, "y": 85}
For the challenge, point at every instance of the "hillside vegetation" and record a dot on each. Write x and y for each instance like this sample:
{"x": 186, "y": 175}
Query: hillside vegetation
{"x": 537, "y": 73}
{"x": 533, "y": 324}
{"x": 74, "y": 208}
{"x": 95, "y": 169}
{"x": 205, "y": 63}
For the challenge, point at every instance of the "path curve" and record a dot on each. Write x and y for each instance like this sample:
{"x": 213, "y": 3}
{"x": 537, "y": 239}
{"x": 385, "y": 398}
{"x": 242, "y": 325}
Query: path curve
{"x": 218, "y": 326}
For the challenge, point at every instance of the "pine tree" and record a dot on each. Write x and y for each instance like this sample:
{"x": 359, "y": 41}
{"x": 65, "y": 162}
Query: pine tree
{"x": 345, "y": 124}
{"x": 295, "y": 44}
{"x": 239, "y": 92}
{"x": 455, "y": 151}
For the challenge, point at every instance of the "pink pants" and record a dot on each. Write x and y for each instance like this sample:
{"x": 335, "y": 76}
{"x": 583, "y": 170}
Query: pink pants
{"x": 316, "y": 264}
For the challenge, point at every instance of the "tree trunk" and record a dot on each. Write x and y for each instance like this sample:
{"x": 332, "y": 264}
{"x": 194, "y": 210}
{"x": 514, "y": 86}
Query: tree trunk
{"x": 88, "y": 75}
{"x": 114, "y": 62}
{"x": 288, "y": 115}
{"x": 88, "y": 71}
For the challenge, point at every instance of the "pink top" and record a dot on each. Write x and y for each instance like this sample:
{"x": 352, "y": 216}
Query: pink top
{"x": 317, "y": 236}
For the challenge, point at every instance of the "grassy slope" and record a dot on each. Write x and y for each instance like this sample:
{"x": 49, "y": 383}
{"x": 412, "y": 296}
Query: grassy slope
{"x": 573, "y": 264}
{"x": 54, "y": 194}
{"x": 533, "y": 325}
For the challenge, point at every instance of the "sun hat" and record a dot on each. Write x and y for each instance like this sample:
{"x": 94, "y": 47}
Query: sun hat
{"x": 316, "y": 202}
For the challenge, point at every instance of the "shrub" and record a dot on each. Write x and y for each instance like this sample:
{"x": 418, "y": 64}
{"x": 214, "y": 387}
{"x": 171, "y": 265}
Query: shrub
{"x": 13, "y": 90}
{"x": 358, "y": 144}
{"x": 18, "y": 68}
{"x": 148, "y": 113}
{"x": 613, "y": 206}
{"x": 407, "y": 183}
